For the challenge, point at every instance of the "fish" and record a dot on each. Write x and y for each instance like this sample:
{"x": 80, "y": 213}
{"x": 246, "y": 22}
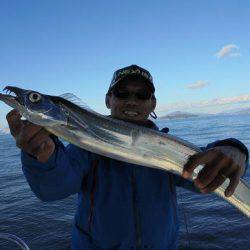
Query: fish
{"x": 67, "y": 117}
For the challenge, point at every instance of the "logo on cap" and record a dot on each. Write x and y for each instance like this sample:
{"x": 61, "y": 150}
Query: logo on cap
{"x": 128, "y": 71}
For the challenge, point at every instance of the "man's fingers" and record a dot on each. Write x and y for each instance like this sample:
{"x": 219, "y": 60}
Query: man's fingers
{"x": 191, "y": 164}
{"x": 207, "y": 174}
{"x": 218, "y": 166}
{"x": 29, "y": 130}
{"x": 14, "y": 120}
{"x": 211, "y": 170}
{"x": 234, "y": 181}
{"x": 218, "y": 180}
{"x": 199, "y": 159}
{"x": 45, "y": 151}
{"x": 13, "y": 112}
{"x": 223, "y": 174}
{"x": 30, "y": 137}
{"x": 41, "y": 136}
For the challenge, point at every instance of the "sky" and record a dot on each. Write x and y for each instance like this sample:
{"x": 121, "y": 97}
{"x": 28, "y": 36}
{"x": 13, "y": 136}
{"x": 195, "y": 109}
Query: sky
{"x": 197, "y": 51}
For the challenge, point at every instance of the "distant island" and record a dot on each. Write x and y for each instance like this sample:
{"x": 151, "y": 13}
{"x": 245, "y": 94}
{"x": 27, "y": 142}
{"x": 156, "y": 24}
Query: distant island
{"x": 178, "y": 115}
{"x": 245, "y": 111}
{"x": 184, "y": 115}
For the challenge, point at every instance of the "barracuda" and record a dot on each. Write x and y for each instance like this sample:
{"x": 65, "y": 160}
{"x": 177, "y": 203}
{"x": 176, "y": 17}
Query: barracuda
{"x": 67, "y": 118}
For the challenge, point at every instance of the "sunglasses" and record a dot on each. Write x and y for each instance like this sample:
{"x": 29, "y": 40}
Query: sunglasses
{"x": 124, "y": 94}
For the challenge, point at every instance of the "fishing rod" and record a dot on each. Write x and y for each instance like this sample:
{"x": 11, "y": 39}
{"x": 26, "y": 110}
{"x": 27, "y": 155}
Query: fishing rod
{"x": 15, "y": 239}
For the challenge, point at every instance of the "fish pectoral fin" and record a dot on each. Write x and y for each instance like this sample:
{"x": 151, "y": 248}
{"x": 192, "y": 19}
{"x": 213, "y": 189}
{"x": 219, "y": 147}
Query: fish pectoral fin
{"x": 69, "y": 126}
{"x": 72, "y": 117}
{"x": 76, "y": 123}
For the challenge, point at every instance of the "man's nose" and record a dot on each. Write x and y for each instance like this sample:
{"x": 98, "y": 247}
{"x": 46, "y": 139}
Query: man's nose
{"x": 132, "y": 99}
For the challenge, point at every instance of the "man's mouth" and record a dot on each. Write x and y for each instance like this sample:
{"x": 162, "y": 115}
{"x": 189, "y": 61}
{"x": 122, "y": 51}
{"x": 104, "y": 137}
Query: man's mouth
{"x": 131, "y": 113}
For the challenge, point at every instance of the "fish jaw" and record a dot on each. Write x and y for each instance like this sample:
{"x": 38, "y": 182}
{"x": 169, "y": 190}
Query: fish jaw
{"x": 10, "y": 100}
{"x": 14, "y": 97}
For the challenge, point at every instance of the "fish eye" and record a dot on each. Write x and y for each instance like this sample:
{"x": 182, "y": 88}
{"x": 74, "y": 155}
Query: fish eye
{"x": 35, "y": 97}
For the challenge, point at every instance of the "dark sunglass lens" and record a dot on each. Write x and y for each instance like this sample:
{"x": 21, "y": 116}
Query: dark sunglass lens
{"x": 145, "y": 95}
{"x": 121, "y": 94}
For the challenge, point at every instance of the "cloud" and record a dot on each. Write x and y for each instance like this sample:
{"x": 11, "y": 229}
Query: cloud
{"x": 231, "y": 100}
{"x": 230, "y": 50}
{"x": 205, "y": 104}
{"x": 235, "y": 54}
{"x": 197, "y": 85}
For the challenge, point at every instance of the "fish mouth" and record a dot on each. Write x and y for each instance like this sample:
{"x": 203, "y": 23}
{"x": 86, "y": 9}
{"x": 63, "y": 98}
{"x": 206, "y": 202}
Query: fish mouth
{"x": 12, "y": 96}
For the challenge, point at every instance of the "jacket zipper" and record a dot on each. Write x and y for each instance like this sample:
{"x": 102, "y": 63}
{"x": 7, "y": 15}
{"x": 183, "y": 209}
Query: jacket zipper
{"x": 136, "y": 213}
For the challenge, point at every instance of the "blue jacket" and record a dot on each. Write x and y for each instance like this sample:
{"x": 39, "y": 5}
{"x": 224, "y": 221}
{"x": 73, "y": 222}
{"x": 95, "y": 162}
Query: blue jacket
{"x": 120, "y": 205}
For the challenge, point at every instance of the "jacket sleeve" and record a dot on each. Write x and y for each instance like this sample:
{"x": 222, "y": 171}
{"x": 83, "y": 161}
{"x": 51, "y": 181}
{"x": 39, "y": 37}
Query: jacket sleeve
{"x": 60, "y": 176}
{"x": 187, "y": 184}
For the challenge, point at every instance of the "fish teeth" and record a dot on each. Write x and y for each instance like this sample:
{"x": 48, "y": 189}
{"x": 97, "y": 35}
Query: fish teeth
{"x": 8, "y": 92}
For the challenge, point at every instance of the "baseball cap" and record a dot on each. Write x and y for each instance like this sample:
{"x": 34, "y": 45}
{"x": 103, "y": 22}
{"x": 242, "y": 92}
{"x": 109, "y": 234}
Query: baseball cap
{"x": 132, "y": 71}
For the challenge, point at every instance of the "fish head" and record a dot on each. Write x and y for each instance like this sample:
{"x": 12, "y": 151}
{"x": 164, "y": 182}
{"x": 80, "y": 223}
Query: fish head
{"x": 34, "y": 106}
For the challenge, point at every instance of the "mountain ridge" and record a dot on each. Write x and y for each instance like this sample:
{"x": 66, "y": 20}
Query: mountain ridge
{"x": 183, "y": 115}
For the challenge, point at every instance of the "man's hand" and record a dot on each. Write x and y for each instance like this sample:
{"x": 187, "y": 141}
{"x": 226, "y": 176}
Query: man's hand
{"x": 31, "y": 138}
{"x": 219, "y": 163}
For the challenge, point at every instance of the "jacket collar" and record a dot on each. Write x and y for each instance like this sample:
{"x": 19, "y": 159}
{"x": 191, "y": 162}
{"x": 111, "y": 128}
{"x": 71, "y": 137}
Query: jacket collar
{"x": 152, "y": 125}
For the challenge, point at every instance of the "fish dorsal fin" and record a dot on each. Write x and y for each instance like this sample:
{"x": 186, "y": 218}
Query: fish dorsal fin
{"x": 76, "y": 100}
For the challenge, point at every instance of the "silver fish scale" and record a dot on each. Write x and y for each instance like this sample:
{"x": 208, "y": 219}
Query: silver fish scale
{"x": 138, "y": 145}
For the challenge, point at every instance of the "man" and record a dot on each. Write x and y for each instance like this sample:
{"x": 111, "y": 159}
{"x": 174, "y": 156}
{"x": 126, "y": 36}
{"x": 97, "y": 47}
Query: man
{"x": 121, "y": 205}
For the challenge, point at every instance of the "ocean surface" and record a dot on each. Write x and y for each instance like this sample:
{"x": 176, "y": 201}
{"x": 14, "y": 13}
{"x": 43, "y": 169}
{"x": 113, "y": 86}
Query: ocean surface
{"x": 206, "y": 221}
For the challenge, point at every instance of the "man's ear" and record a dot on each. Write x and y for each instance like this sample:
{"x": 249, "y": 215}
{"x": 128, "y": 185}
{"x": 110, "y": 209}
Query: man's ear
{"x": 153, "y": 104}
{"x": 107, "y": 101}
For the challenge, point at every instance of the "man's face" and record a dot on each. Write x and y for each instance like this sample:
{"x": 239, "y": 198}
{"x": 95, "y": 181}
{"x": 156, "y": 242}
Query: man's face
{"x": 127, "y": 101}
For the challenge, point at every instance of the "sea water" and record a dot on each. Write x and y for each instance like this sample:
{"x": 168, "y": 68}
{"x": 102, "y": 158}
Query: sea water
{"x": 206, "y": 221}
